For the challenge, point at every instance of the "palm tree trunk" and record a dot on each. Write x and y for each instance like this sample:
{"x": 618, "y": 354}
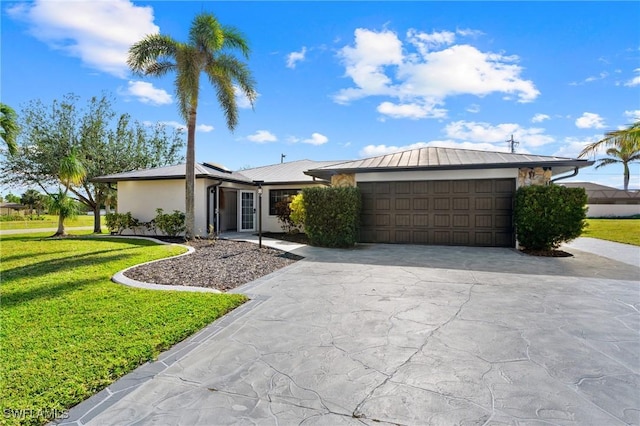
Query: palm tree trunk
{"x": 60, "y": 231}
{"x": 190, "y": 177}
{"x": 626, "y": 175}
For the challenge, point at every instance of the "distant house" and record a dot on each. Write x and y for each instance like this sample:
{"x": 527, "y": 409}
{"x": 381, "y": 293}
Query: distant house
{"x": 11, "y": 208}
{"x": 422, "y": 196}
{"x": 605, "y": 201}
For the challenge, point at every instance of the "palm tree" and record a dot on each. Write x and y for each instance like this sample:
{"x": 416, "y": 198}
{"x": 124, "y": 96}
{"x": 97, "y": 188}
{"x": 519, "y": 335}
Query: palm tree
{"x": 623, "y": 146}
{"x": 9, "y": 127}
{"x": 71, "y": 172}
{"x": 205, "y": 52}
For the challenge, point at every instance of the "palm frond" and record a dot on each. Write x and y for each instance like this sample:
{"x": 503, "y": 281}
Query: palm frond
{"x": 234, "y": 39}
{"x": 206, "y": 33}
{"x": 619, "y": 138}
{"x": 187, "y": 79}
{"x": 239, "y": 73}
{"x": 9, "y": 127}
{"x": 607, "y": 161}
{"x": 225, "y": 93}
{"x": 144, "y": 55}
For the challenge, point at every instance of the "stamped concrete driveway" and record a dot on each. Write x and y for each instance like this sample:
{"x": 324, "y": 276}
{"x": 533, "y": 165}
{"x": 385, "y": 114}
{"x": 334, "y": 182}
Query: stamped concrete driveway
{"x": 391, "y": 334}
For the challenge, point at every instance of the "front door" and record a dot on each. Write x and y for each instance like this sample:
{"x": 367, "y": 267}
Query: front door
{"x": 247, "y": 211}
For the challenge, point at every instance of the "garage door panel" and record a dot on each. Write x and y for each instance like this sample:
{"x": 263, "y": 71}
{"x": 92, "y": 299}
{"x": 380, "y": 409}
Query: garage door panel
{"x": 454, "y": 212}
{"x": 403, "y": 204}
{"x": 442, "y": 204}
{"x": 403, "y": 220}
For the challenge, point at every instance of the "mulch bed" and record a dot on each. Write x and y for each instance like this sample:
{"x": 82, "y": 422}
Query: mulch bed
{"x": 219, "y": 264}
{"x": 294, "y": 238}
{"x": 547, "y": 253}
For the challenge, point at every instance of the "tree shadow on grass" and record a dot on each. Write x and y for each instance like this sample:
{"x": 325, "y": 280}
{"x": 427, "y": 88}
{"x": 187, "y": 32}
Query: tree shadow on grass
{"x": 38, "y": 269}
{"x": 28, "y": 295}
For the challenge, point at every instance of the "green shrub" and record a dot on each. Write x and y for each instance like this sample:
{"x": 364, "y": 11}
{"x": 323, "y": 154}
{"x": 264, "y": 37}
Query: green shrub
{"x": 332, "y": 216}
{"x": 118, "y": 222}
{"x": 172, "y": 224}
{"x": 283, "y": 213}
{"x": 298, "y": 212}
{"x": 547, "y": 216}
{"x": 11, "y": 217}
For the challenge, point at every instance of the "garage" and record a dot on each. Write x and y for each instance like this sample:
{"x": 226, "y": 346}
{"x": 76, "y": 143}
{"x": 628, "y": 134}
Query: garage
{"x": 471, "y": 212}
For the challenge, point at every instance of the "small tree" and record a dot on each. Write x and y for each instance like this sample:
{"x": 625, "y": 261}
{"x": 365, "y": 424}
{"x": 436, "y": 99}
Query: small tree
{"x": 33, "y": 199}
{"x": 283, "y": 213}
{"x": 298, "y": 212}
{"x": 547, "y": 216}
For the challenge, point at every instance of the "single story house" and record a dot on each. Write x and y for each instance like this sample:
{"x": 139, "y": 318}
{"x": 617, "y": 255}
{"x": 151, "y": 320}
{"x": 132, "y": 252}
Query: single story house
{"x": 422, "y": 196}
{"x": 11, "y": 208}
{"x": 605, "y": 201}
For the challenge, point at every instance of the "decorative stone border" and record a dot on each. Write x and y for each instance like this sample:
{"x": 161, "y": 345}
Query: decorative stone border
{"x": 119, "y": 277}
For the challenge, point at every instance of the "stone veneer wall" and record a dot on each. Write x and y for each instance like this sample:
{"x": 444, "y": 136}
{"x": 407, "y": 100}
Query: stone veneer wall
{"x": 343, "y": 180}
{"x": 535, "y": 176}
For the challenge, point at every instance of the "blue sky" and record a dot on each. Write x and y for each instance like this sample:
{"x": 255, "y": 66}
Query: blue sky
{"x": 346, "y": 80}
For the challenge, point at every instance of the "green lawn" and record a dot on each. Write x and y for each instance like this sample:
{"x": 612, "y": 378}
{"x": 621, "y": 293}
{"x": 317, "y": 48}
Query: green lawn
{"x": 619, "y": 230}
{"x": 48, "y": 221}
{"x": 68, "y": 331}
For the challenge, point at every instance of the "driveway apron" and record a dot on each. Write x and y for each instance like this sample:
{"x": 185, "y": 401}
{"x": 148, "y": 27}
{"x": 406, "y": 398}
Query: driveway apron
{"x": 410, "y": 335}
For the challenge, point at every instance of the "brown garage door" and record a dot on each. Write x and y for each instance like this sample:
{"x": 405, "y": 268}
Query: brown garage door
{"x": 446, "y": 212}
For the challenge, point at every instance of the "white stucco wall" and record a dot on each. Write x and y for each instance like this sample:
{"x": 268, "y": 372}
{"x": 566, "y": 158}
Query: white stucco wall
{"x": 142, "y": 198}
{"x": 613, "y": 210}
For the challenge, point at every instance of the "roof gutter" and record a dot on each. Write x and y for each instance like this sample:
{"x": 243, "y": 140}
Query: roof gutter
{"x": 574, "y": 173}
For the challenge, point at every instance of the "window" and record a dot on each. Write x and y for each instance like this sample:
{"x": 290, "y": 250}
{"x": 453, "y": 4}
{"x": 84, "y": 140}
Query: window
{"x": 276, "y": 195}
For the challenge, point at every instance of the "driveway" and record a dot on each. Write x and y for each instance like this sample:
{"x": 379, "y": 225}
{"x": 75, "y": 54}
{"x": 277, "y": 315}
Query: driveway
{"x": 393, "y": 334}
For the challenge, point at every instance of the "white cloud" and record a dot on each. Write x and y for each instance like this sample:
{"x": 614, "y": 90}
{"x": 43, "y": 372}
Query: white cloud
{"x": 589, "y": 120}
{"x": 633, "y": 115}
{"x": 539, "y": 118}
{"x": 426, "y": 42}
{"x": 294, "y": 57}
{"x": 147, "y": 94}
{"x": 174, "y": 124}
{"x": 498, "y": 134}
{"x": 572, "y": 146}
{"x": 99, "y": 33}
{"x": 412, "y": 110}
{"x": 204, "y": 128}
{"x": 380, "y": 64}
{"x": 316, "y": 139}
{"x": 635, "y": 81}
{"x": 262, "y": 136}
{"x": 473, "y": 108}
{"x": 378, "y": 150}
{"x": 241, "y": 99}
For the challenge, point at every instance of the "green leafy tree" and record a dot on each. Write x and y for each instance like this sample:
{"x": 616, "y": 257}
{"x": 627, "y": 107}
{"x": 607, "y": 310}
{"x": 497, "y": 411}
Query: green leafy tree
{"x": 10, "y": 198}
{"x": 622, "y": 147}
{"x": 103, "y": 141}
{"x": 9, "y": 127}
{"x": 33, "y": 199}
{"x": 209, "y": 52}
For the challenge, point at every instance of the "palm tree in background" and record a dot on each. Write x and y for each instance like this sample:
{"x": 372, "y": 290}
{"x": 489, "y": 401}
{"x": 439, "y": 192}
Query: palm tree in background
{"x": 71, "y": 172}
{"x": 9, "y": 127}
{"x": 623, "y": 147}
{"x": 206, "y": 52}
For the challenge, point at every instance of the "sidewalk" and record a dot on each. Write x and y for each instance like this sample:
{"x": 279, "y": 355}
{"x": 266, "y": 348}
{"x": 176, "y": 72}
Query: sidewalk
{"x": 37, "y": 230}
{"x": 625, "y": 253}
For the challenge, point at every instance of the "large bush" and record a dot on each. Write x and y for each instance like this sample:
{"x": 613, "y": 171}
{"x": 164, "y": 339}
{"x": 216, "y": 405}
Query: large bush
{"x": 332, "y": 216}
{"x": 547, "y": 216}
{"x": 172, "y": 224}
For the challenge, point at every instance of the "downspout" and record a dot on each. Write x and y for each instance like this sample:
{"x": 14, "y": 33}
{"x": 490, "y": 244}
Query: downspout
{"x": 575, "y": 173}
{"x": 209, "y": 191}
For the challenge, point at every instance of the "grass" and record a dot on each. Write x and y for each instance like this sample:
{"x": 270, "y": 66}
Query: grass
{"x": 68, "y": 331}
{"x": 618, "y": 230}
{"x": 49, "y": 221}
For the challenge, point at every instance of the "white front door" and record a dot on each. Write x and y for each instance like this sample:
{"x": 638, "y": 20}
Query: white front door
{"x": 247, "y": 211}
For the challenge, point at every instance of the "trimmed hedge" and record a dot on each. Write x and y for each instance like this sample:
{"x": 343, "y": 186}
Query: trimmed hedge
{"x": 332, "y": 216}
{"x": 547, "y": 216}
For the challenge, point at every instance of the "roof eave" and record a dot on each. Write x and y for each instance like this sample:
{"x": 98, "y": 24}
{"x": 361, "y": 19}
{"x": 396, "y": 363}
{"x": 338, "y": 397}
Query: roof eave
{"x": 328, "y": 172}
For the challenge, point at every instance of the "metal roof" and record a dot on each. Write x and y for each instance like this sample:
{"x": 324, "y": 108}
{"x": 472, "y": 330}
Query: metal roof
{"x": 174, "y": 172}
{"x": 601, "y": 194}
{"x": 433, "y": 158}
{"x": 291, "y": 172}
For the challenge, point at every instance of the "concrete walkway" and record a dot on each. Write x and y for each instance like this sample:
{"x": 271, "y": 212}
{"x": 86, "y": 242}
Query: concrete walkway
{"x": 396, "y": 334}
